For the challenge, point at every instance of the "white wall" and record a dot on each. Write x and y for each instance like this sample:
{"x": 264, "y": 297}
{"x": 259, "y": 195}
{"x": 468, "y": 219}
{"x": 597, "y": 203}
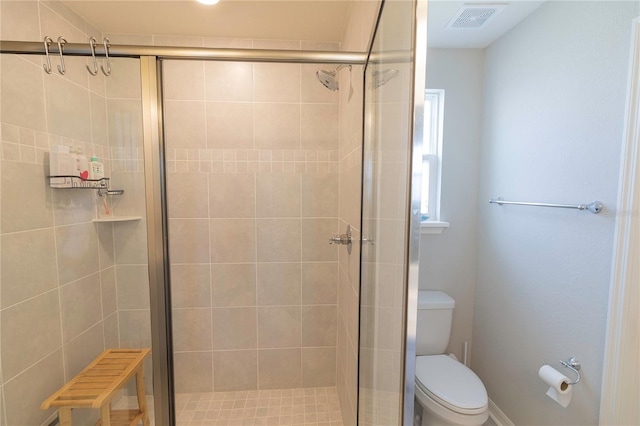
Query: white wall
{"x": 554, "y": 95}
{"x": 448, "y": 261}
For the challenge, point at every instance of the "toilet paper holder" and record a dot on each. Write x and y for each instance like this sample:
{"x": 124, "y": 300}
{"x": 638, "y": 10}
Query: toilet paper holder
{"x": 573, "y": 364}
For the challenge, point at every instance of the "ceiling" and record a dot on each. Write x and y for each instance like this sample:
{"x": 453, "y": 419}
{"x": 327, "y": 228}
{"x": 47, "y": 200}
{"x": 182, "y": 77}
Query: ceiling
{"x": 441, "y": 12}
{"x": 309, "y": 20}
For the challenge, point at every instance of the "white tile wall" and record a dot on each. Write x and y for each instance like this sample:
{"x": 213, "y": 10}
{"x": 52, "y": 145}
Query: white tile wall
{"x": 60, "y": 289}
{"x": 253, "y": 165}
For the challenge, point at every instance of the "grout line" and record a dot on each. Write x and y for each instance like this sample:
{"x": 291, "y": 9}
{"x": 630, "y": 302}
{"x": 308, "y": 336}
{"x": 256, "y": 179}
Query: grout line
{"x": 83, "y": 31}
{"x": 310, "y": 262}
{"x": 53, "y": 218}
{"x": 115, "y": 279}
{"x": 112, "y": 230}
{"x": 104, "y": 335}
{"x": 211, "y": 284}
{"x": 59, "y": 348}
{"x": 300, "y": 262}
{"x": 255, "y": 233}
{"x": 287, "y": 348}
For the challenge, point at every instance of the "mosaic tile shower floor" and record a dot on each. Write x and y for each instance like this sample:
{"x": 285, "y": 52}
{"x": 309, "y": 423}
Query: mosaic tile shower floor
{"x": 309, "y": 406}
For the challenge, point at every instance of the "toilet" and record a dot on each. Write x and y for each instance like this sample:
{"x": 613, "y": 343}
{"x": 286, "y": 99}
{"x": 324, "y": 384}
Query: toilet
{"x": 448, "y": 391}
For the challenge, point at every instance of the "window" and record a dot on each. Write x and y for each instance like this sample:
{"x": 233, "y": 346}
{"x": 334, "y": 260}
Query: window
{"x": 432, "y": 151}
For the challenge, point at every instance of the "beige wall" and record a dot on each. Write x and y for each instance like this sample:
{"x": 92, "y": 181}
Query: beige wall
{"x": 253, "y": 198}
{"x": 58, "y": 305}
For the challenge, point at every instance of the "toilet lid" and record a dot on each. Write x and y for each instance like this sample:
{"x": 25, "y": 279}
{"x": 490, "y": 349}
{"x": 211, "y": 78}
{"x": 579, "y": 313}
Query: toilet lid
{"x": 450, "y": 383}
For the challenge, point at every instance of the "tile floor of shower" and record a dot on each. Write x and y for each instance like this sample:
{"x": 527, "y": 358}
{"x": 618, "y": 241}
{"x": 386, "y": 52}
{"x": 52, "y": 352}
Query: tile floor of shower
{"x": 308, "y": 406}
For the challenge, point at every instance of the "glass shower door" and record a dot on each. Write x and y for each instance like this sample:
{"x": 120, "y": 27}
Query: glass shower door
{"x": 386, "y": 219}
{"x": 252, "y": 195}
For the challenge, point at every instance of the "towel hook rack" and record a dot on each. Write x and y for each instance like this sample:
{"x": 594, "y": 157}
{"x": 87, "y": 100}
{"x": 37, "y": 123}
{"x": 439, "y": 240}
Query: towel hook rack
{"x": 61, "y": 42}
{"x": 573, "y": 364}
{"x": 47, "y": 42}
{"x": 92, "y": 44}
{"x": 107, "y": 44}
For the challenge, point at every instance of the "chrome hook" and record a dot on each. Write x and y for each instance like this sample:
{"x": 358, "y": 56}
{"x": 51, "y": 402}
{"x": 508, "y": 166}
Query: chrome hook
{"x": 61, "y": 42}
{"x": 92, "y": 44}
{"x": 107, "y": 44}
{"x": 573, "y": 364}
{"x": 47, "y": 42}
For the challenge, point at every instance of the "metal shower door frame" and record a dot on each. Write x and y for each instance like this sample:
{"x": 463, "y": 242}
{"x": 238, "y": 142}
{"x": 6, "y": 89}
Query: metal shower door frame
{"x": 418, "y": 59}
{"x": 157, "y": 214}
{"x": 415, "y": 185}
{"x": 157, "y": 240}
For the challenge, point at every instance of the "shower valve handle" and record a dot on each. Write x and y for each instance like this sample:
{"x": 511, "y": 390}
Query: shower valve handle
{"x": 343, "y": 239}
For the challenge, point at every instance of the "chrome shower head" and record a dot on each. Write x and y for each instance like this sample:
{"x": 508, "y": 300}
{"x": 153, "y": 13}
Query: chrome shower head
{"x": 380, "y": 78}
{"x": 329, "y": 79}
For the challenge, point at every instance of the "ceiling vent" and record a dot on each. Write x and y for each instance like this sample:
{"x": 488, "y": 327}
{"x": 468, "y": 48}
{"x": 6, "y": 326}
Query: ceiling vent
{"x": 474, "y": 16}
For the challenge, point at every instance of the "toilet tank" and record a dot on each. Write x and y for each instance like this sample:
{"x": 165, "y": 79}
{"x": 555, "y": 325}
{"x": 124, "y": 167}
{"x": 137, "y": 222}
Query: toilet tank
{"x": 435, "y": 314}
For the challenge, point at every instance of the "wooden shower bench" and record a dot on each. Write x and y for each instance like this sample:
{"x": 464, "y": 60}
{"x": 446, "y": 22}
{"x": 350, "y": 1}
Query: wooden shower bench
{"x": 97, "y": 385}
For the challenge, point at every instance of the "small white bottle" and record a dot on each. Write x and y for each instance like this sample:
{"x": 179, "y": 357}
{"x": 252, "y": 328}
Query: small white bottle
{"x": 96, "y": 169}
{"x": 61, "y": 163}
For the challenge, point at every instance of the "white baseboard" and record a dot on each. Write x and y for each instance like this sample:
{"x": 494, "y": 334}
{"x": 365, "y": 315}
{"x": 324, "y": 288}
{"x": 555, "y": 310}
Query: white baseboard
{"x": 498, "y": 417}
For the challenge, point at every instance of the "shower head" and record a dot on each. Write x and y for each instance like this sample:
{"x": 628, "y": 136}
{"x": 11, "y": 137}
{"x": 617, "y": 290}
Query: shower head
{"x": 380, "y": 78}
{"x": 329, "y": 79}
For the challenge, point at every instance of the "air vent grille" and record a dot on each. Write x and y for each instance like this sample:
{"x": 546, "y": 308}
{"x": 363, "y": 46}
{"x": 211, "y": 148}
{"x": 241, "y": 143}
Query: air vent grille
{"x": 474, "y": 17}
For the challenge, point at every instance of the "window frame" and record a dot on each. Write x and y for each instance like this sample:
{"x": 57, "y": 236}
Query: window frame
{"x": 432, "y": 152}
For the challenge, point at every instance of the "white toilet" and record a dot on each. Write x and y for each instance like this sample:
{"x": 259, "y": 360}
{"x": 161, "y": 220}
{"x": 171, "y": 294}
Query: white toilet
{"x": 448, "y": 391}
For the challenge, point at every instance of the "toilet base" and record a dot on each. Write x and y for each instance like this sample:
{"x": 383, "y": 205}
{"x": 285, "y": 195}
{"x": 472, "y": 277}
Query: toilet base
{"x": 417, "y": 413}
{"x": 434, "y": 414}
{"x": 432, "y": 419}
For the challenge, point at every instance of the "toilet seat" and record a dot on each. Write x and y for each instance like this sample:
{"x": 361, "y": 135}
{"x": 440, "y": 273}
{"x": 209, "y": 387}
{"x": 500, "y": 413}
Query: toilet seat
{"x": 451, "y": 384}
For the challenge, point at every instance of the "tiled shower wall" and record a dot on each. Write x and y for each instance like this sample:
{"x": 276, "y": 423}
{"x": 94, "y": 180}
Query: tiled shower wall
{"x": 124, "y": 127}
{"x": 297, "y": 168}
{"x": 56, "y": 265}
{"x": 253, "y": 199}
{"x": 70, "y": 287}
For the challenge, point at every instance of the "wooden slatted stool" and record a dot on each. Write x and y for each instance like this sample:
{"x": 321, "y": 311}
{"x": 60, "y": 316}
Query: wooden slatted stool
{"x": 97, "y": 385}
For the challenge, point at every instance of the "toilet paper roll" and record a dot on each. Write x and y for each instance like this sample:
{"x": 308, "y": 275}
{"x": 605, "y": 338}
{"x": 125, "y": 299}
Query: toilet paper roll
{"x": 559, "y": 387}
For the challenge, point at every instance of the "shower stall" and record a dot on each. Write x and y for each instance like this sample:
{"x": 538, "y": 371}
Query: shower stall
{"x": 252, "y": 195}
{"x": 228, "y": 169}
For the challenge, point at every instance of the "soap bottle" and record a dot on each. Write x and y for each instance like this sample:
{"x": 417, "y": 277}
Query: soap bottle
{"x": 96, "y": 169}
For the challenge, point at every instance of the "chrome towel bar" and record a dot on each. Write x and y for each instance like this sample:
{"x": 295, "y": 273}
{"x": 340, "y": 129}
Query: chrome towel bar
{"x": 594, "y": 206}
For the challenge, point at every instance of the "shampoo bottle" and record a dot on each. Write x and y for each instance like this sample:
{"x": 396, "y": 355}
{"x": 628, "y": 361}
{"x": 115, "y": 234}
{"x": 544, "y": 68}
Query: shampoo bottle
{"x": 96, "y": 169}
